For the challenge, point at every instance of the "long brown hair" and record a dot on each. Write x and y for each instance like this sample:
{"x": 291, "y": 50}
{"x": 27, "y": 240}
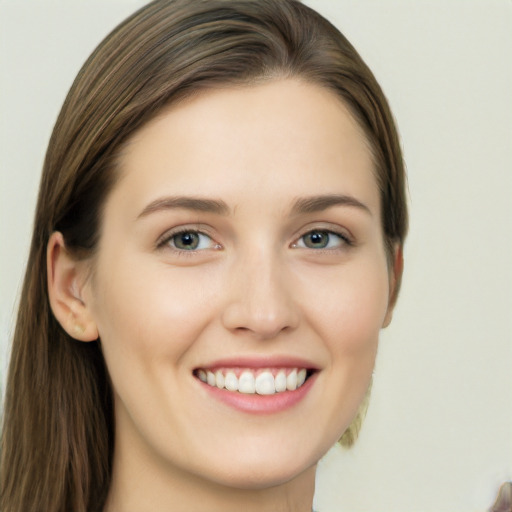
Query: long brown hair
{"x": 58, "y": 431}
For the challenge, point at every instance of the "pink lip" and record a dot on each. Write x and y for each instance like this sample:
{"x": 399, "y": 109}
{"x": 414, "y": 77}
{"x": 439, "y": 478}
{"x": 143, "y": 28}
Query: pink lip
{"x": 261, "y": 404}
{"x": 260, "y": 362}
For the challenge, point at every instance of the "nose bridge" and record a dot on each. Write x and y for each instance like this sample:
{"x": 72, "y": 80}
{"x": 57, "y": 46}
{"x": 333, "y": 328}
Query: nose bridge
{"x": 260, "y": 298}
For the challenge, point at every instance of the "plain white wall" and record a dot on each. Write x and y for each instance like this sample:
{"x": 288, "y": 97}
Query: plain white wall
{"x": 438, "y": 436}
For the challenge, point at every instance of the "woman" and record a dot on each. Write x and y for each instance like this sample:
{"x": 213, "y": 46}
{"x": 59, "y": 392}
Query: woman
{"x": 218, "y": 242}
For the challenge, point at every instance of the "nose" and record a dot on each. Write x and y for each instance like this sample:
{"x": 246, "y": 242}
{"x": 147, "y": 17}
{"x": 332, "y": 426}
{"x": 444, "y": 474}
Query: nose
{"x": 260, "y": 298}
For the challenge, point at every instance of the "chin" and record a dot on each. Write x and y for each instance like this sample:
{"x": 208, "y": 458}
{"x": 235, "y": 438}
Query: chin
{"x": 262, "y": 469}
{"x": 261, "y": 478}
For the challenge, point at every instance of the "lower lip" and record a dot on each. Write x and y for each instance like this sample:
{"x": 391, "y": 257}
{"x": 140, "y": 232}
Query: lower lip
{"x": 261, "y": 404}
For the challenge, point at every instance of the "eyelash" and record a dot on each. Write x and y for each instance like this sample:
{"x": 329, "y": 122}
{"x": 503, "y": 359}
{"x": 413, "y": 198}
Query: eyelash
{"x": 165, "y": 240}
{"x": 344, "y": 239}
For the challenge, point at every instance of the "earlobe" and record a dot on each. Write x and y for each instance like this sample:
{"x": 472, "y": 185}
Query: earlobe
{"x": 396, "y": 271}
{"x": 66, "y": 278}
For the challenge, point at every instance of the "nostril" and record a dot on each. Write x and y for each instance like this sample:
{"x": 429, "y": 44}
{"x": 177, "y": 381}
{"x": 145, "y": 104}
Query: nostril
{"x": 260, "y": 303}
{"x": 259, "y": 326}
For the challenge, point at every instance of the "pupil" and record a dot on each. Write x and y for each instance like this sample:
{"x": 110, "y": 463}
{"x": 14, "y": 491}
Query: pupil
{"x": 318, "y": 239}
{"x": 187, "y": 241}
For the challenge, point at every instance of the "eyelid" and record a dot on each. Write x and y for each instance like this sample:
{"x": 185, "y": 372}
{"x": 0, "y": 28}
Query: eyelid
{"x": 342, "y": 233}
{"x": 342, "y": 242}
{"x": 205, "y": 230}
{"x": 200, "y": 229}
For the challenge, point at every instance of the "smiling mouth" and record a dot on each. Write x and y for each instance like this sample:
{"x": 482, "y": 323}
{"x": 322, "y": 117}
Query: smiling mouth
{"x": 268, "y": 381}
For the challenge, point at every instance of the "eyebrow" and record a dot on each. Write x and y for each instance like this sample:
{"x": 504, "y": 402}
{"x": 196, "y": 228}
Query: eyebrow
{"x": 323, "y": 202}
{"x": 302, "y": 205}
{"x": 187, "y": 203}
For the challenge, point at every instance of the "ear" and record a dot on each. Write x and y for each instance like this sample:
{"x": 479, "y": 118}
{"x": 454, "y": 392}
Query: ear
{"x": 395, "y": 278}
{"x": 66, "y": 280}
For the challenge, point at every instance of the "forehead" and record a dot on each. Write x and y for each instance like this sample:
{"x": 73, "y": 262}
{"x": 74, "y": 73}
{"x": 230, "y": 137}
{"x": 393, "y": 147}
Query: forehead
{"x": 282, "y": 138}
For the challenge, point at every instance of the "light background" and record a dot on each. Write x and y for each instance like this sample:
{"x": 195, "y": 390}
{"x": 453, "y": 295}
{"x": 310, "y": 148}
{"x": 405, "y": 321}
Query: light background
{"x": 438, "y": 436}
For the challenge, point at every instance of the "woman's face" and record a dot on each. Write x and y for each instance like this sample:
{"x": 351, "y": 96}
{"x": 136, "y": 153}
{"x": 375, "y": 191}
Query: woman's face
{"x": 242, "y": 245}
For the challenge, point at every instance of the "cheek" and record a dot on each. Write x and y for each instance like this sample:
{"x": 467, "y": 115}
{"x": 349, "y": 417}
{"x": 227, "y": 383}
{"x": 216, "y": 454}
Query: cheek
{"x": 148, "y": 312}
{"x": 351, "y": 309}
{"x": 343, "y": 308}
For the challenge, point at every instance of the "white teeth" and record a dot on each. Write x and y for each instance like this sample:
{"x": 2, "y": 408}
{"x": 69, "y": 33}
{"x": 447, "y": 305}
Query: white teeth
{"x": 219, "y": 379}
{"x": 264, "y": 383}
{"x": 280, "y": 382}
{"x": 246, "y": 383}
{"x": 231, "y": 382}
{"x": 291, "y": 381}
{"x": 301, "y": 377}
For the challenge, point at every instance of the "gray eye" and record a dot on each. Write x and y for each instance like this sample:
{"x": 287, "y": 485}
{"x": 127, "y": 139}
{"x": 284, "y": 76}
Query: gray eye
{"x": 317, "y": 239}
{"x": 321, "y": 239}
{"x": 187, "y": 241}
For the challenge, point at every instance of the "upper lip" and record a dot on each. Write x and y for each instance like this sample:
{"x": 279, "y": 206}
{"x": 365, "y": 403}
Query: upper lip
{"x": 259, "y": 362}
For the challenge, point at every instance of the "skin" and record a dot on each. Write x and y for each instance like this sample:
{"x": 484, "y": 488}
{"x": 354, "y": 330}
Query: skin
{"x": 252, "y": 288}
